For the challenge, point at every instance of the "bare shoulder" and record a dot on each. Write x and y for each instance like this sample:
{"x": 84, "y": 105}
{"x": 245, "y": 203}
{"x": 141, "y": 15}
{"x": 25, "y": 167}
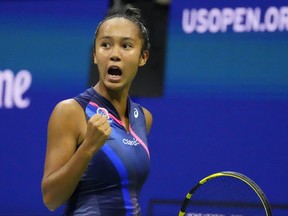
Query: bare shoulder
{"x": 149, "y": 118}
{"x": 67, "y": 107}
{"x": 67, "y": 118}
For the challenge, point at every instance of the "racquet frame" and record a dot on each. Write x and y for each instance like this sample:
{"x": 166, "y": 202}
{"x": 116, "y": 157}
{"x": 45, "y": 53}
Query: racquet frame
{"x": 236, "y": 175}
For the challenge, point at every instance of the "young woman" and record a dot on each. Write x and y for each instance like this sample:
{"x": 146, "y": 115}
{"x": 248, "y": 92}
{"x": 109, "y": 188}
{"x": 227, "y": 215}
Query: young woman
{"x": 97, "y": 156}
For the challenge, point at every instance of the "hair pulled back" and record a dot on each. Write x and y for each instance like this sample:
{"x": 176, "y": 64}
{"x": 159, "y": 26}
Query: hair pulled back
{"x": 134, "y": 15}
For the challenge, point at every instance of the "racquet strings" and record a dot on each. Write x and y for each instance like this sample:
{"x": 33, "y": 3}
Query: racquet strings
{"x": 225, "y": 195}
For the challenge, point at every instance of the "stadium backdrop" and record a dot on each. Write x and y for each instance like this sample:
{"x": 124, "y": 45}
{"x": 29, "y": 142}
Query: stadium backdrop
{"x": 224, "y": 106}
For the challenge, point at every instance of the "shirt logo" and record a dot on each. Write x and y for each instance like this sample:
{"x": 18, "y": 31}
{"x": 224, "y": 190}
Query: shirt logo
{"x": 104, "y": 112}
{"x": 133, "y": 142}
{"x": 136, "y": 114}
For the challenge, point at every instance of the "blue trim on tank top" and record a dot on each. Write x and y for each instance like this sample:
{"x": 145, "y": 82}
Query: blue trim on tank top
{"x": 122, "y": 173}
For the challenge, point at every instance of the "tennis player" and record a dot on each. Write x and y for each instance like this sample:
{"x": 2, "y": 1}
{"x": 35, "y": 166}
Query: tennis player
{"x": 97, "y": 157}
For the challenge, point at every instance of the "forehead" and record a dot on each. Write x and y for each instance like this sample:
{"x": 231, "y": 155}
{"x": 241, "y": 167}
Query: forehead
{"x": 119, "y": 27}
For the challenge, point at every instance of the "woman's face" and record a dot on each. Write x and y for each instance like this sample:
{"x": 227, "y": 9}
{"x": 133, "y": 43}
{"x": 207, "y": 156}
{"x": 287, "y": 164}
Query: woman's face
{"x": 118, "y": 53}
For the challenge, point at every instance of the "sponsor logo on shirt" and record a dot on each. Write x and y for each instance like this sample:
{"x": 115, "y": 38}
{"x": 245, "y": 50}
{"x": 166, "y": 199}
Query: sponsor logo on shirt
{"x": 129, "y": 142}
{"x": 104, "y": 112}
{"x": 136, "y": 113}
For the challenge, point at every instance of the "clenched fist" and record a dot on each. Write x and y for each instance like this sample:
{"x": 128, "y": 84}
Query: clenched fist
{"x": 98, "y": 131}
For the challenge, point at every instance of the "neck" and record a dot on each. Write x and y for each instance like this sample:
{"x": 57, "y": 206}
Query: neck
{"x": 119, "y": 100}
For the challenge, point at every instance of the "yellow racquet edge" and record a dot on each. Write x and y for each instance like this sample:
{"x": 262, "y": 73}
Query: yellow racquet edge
{"x": 232, "y": 174}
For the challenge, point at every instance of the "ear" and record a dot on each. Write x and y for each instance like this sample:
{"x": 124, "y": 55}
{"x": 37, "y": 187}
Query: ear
{"x": 144, "y": 57}
{"x": 94, "y": 58}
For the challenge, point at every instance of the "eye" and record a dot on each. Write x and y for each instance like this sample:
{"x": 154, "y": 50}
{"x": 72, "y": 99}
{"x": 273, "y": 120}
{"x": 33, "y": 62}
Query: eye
{"x": 127, "y": 45}
{"x": 105, "y": 45}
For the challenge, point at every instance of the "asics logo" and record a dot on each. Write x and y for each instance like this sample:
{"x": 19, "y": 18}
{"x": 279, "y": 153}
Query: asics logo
{"x": 136, "y": 113}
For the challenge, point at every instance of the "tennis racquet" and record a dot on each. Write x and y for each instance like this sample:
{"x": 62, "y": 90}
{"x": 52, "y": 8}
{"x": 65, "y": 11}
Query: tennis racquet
{"x": 226, "y": 193}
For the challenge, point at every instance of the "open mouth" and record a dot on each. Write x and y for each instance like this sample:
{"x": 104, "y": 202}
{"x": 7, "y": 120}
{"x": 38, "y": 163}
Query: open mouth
{"x": 114, "y": 71}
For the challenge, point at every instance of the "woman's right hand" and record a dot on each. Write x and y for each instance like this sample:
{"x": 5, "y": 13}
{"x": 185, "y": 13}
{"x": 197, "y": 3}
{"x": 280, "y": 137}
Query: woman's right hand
{"x": 98, "y": 131}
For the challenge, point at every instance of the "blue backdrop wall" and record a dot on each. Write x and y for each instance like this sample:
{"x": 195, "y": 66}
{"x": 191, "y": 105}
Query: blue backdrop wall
{"x": 224, "y": 108}
{"x": 45, "y": 51}
{"x": 225, "y": 103}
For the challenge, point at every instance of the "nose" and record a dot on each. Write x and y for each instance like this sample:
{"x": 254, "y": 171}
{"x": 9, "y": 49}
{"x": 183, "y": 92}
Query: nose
{"x": 115, "y": 54}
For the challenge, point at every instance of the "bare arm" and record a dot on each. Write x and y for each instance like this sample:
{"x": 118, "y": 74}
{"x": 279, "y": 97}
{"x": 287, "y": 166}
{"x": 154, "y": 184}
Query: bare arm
{"x": 64, "y": 165}
{"x": 149, "y": 119}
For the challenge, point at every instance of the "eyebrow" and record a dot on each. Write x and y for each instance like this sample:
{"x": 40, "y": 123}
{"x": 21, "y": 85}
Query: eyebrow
{"x": 109, "y": 37}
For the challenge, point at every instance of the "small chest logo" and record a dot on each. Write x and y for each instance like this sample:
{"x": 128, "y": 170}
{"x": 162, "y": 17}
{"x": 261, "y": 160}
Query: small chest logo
{"x": 136, "y": 114}
{"x": 104, "y": 112}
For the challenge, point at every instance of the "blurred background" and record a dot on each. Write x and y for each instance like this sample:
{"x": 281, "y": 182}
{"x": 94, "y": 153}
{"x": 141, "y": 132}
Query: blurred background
{"x": 216, "y": 83}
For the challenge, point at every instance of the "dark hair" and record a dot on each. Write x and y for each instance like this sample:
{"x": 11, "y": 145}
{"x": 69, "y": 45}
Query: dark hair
{"x": 132, "y": 14}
